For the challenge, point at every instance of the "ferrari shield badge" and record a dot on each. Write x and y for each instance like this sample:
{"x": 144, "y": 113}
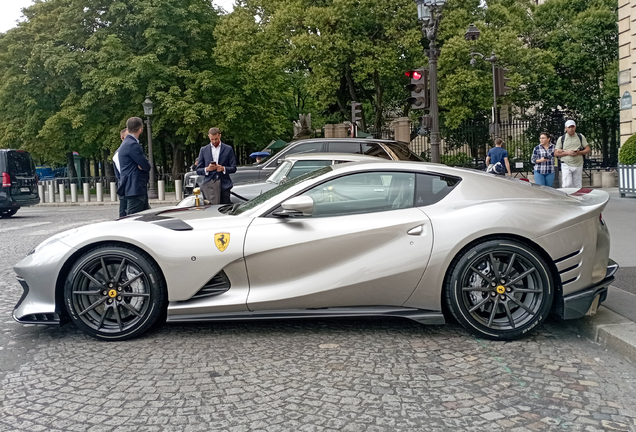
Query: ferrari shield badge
{"x": 222, "y": 240}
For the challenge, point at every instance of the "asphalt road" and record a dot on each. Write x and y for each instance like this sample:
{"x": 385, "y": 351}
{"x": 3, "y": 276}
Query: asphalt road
{"x": 313, "y": 375}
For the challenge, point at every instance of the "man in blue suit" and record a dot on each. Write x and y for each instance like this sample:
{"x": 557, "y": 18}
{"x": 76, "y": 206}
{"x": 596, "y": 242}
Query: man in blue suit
{"x": 123, "y": 205}
{"x": 217, "y": 160}
{"x": 134, "y": 169}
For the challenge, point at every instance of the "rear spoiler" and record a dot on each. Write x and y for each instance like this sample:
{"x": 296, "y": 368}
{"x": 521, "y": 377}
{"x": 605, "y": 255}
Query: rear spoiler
{"x": 589, "y": 196}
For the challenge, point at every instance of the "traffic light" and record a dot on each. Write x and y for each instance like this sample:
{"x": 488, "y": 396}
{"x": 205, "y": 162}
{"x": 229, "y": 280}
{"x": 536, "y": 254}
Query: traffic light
{"x": 418, "y": 88}
{"x": 500, "y": 81}
{"x": 356, "y": 112}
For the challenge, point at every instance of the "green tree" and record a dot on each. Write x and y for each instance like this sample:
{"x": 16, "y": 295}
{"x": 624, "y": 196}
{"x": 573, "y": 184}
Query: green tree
{"x": 582, "y": 36}
{"x": 347, "y": 49}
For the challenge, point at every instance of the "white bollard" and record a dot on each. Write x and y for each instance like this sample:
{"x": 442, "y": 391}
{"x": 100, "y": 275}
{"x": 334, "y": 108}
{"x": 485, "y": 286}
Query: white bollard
{"x": 608, "y": 179}
{"x": 51, "y": 190}
{"x": 87, "y": 192}
{"x": 74, "y": 192}
{"x": 161, "y": 190}
{"x": 100, "y": 192}
{"x": 178, "y": 191}
{"x": 62, "y": 192}
{"x": 113, "y": 191}
{"x": 41, "y": 193}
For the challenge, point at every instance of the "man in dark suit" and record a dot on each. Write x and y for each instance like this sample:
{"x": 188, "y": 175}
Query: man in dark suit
{"x": 134, "y": 169}
{"x": 123, "y": 205}
{"x": 217, "y": 160}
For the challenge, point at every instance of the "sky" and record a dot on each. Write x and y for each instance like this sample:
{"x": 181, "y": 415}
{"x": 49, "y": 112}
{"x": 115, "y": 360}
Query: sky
{"x": 10, "y": 11}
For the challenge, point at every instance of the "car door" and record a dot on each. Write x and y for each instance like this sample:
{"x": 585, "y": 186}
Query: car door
{"x": 365, "y": 245}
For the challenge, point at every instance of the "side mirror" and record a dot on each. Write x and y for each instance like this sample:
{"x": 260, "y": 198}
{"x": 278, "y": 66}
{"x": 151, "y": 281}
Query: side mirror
{"x": 297, "y": 206}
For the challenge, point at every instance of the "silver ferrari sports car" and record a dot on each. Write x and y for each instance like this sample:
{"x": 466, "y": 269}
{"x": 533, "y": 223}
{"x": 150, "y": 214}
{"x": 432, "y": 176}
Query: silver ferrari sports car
{"x": 413, "y": 240}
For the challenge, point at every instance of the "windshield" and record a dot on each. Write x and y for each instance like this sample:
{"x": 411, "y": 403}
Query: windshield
{"x": 280, "y": 172}
{"x": 278, "y": 189}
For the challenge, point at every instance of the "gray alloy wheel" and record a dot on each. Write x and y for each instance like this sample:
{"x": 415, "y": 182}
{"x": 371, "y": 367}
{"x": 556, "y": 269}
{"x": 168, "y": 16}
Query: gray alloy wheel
{"x": 500, "y": 289}
{"x": 115, "y": 293}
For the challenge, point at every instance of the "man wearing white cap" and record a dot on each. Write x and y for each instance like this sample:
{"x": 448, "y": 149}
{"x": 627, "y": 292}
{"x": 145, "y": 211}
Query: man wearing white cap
{"x": 570, "y": 148}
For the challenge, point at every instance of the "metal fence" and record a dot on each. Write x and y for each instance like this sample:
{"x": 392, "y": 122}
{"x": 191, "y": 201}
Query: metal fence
{"x": 468, "y": 144}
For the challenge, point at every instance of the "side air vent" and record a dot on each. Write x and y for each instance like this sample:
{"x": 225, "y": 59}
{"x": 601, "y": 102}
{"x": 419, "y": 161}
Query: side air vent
{"x": 568, "y": 256}
{"x": 215, "y": 286}
{"x": 45, "y": 318}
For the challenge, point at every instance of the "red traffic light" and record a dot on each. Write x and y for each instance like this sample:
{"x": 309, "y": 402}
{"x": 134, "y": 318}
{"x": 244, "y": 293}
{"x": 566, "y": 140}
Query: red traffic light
{"x": 413, "y": 74}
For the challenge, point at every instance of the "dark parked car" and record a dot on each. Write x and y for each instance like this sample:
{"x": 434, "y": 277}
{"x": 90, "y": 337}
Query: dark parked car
{"x": 385, "y": 149}
{"x": 19, "y": 181}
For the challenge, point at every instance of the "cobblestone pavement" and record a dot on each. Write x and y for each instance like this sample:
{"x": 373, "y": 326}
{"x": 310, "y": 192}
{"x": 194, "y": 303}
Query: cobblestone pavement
{"x": 313, "y": 375}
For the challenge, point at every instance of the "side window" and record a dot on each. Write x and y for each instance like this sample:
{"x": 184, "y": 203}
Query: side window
{"x": 305, "y": 148}
{"x": 303, "y": 167}
{"x": 431, "y": 188}
{"x": 344, "y": 147}
{"x": 363, "y": 193}
{"x": 275, "y": 160}
{"x": 374, "y": 149}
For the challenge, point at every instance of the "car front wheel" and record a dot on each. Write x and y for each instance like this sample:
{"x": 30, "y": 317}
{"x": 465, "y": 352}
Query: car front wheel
{"x": 499, "y": 289}
{"x": 115, "y": 292}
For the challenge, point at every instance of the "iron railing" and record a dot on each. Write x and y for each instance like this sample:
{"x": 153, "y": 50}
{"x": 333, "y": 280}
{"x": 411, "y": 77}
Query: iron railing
{"x": 468, "y": 144}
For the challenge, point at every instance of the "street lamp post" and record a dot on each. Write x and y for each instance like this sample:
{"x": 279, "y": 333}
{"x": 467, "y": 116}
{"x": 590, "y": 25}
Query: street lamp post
{"x": 429, "y": 13}
{"x": 472, "y": 34}
{"x": 152, "y": 192}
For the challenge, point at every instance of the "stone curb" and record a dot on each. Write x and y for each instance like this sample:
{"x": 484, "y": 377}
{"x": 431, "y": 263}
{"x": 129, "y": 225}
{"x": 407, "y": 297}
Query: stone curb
{"x": 95, "y": 203}
{"x": 610, "y": 329}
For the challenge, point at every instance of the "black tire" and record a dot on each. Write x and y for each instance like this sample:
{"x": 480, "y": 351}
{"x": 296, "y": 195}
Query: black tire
{"x": 115, "y": 293}
{"x": 499, "y": 289}
{"x": 7, "y": 213}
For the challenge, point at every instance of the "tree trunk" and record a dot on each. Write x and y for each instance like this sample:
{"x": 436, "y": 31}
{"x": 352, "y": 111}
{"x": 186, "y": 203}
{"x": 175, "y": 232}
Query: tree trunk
{"x": 615, "y": 131}
{"x": 379, "y": 93}
{"x": 70, "y": 165}
{"x": 177, "y": 160}
{"x": 165, "y": 166}
{"x": 109, "y": 171}
{"x": 87, "y": 170}
{"x": 604, "y": 140}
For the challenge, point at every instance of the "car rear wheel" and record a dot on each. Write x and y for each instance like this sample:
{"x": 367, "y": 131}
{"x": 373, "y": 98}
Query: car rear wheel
{"x": 499, "y": 289}
{"x": 115, "y": 293}
{"x": 7, "y": 213}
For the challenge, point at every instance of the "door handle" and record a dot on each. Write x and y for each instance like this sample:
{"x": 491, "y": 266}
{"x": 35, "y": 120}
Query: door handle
{"x": 416, "y": 231}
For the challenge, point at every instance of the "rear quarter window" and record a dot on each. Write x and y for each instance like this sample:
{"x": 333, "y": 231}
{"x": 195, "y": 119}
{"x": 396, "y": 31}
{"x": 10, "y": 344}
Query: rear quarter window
{"x": 431, "y": 188}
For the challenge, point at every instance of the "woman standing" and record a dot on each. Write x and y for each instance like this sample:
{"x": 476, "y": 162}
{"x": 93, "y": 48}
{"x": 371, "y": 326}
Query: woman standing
{"x": 543, "y": 160}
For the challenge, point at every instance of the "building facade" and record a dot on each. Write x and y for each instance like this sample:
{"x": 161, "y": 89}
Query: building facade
{"x": 627, "y": 65}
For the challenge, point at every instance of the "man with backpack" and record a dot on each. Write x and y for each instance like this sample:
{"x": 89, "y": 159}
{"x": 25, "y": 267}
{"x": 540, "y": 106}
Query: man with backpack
{"x": 497, "y": 159}
{"x": 571, "y": 147}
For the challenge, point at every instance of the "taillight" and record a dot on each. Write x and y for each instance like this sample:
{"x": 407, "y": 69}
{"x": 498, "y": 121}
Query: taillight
{"x": 37, "y": 178}
{"x": 6, "y": 180}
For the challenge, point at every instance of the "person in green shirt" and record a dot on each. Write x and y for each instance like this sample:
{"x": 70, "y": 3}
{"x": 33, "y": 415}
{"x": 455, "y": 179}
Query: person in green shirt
{"x": 571, "y": 148}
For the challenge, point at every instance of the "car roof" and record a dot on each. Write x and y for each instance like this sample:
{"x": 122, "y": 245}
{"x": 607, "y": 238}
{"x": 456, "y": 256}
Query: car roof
{"x": 349, "y": 157}
{"x": 348, "y": 139}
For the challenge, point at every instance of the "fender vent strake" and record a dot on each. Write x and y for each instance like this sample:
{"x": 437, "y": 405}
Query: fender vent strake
{"x": 215, "y": 286}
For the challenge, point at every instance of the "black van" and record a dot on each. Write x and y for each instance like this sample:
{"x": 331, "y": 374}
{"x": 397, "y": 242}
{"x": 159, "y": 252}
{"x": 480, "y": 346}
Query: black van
{"x": 19, "y": 181}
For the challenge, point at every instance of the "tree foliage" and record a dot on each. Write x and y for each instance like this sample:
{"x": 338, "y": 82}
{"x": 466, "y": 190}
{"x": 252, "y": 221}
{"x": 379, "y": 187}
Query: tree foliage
{"x": 345, "y": 49}
{"x": 75, "y": 70}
